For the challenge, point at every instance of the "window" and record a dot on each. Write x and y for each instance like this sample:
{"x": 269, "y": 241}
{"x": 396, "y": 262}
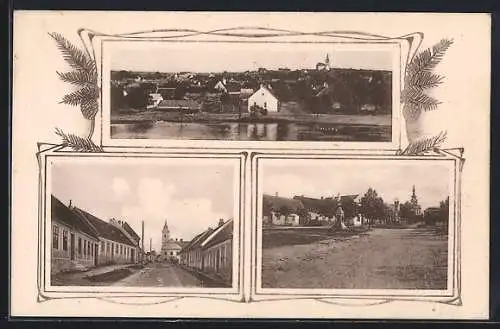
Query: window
{"x": 121, "y": 249}
{"x": 79, "y": 246}
{"x": 102, "y": 246}
{"x": 107, "y": 247}
{"x": 55, "y": 237}
{"x": 84, "y": 248}
{"x": 171, "y": 253}
{"x": 65, "y": 239}
{"x": 91, "y": 249}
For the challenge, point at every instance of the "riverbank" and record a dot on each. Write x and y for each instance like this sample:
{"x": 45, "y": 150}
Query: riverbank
{"x": 203, "y": 117}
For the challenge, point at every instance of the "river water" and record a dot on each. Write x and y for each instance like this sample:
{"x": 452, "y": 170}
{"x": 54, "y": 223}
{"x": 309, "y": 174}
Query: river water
{"x": 251, "y": 131}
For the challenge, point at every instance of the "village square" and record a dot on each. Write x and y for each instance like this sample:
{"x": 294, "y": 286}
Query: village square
{"x": 380, "y": 238}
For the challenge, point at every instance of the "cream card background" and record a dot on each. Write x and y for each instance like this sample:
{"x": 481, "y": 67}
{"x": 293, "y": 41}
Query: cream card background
{"x": 464, "y": 113}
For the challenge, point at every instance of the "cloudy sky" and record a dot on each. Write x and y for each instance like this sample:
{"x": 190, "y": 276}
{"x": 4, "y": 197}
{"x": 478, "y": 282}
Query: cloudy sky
{"x": 237, "y": 57}
{"x": 190, "y": 196}
{"x": 391, "y": 179}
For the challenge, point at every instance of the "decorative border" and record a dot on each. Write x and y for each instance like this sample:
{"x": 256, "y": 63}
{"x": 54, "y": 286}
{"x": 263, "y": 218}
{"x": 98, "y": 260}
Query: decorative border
{"x": 418, "y": 77}
{"x": 73, "y": 55}
{"x": 47, "y": 151}
{"x": 349, "y": 297}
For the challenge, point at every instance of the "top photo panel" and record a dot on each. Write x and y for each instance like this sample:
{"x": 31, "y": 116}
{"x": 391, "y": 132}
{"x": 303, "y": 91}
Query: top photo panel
{"x": 251, "y": 93}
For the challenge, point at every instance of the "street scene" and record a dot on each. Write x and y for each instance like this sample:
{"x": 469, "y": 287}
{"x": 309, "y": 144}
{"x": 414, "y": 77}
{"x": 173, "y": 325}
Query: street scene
{"x": 384, "y": 230}
{"x": 304, "y": 93}
{"x": 128, "y": 224}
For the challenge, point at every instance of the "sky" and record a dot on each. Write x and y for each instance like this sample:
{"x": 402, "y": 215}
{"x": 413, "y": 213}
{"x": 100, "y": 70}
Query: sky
{"x": 190, "y": 197}
{"x": 391, "y": 179}
{"x": 239, "y": 57}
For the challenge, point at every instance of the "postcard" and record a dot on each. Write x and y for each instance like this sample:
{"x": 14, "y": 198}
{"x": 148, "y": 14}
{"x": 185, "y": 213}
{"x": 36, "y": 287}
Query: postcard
{"x": 250, "y": 165}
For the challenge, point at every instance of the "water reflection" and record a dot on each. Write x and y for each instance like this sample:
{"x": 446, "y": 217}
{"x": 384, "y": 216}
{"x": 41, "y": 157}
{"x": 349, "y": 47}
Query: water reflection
{"x": 251, "y": 131}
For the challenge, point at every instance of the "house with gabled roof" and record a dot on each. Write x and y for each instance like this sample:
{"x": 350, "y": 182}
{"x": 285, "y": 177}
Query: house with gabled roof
{"x": 282, "y": 211}
{"x": 218, "y": 251}
{"x": 115, "y": 247}
{"x": 192, "y": 254}
{"x": 73, "y": 241}
{"x": 264, "y": 98}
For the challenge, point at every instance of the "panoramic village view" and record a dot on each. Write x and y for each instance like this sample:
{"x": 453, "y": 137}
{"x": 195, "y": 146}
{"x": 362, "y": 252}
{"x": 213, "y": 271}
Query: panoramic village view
{"x": 326, "y": 98}
{"x": 363, "y": 239}
{"x": 163, "y": 241}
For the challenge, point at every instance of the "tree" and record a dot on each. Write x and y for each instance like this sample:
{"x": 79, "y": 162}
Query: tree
{"x": 285, "y": 211}
{"x": 116, "y": 97}
{"x": 405, "y": 212}
{"x": 444, "y": 210}
{"x": 372, "y": 206}
{"x": 137, "y": 97}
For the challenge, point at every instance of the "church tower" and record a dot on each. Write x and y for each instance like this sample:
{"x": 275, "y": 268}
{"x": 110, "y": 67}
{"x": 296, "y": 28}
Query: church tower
{"x": 415, "y": 207}
{"x": 165, "y": 237}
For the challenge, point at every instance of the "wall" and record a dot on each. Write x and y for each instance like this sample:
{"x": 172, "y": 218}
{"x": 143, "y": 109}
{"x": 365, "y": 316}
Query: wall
{"x": 61, "y": 259}
{"x": 262, "y": 96}
{"x": 122, "y": 253}
{"x": 218, "y": 260}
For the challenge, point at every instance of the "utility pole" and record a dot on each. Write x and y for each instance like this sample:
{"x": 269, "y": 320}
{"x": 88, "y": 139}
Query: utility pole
{"x": 150, "y": 244}
{"x": 142, "y": 238}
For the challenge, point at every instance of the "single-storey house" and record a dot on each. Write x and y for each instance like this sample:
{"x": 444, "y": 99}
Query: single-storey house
{"x": 181, "y": 105}
{"x": 281, "y": 211}
{"x": 74, "y": 243}
{"x": 265, "y": 99}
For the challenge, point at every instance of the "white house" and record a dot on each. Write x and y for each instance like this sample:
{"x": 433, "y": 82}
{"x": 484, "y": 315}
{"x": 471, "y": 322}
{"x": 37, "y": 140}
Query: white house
{"x": 264, "y": 98}
{"x": 156, "y": 99}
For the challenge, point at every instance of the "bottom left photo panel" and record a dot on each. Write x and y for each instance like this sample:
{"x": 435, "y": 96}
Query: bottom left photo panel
{"x": 156, "y": 224}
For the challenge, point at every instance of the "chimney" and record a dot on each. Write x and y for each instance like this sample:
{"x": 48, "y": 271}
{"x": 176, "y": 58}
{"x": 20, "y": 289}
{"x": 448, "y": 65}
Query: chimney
{"x": 181, "y": 239}
{"x": 150, "y": 243}
{"x": 275, "y": 193}
{"x": 221, "y": 222}
{"x": 321, "y": 197}
{"x": 70, "y": 203}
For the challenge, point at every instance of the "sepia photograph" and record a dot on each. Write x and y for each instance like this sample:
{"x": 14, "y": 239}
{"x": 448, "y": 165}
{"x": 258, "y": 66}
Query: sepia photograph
{"x": 251, "y": 91}
{"x": 124, "y": 222}
{"x": 356, "y": 224}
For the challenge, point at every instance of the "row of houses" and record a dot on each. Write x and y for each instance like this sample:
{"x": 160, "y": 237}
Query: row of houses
{"x": 303, "y": 211}
{"x": 211, "y": 252}
{"x": 81, "y": 241}
{"x": 264, "y": 97}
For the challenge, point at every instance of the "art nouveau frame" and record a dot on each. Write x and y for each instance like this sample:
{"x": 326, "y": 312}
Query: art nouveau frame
{"x": 405, "y": 49}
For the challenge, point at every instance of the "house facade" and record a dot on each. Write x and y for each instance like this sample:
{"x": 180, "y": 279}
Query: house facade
{"x": 81, "y": 241}
{"x": 282, "y": 211}
{"x": 218, "y": 251}
{"x": 192, "y": 254}
{"x": 73, "y": 244}
{"x": 265, "y": 99}
{"x": 115, "y": 247}
{"x": 211, "y": 252}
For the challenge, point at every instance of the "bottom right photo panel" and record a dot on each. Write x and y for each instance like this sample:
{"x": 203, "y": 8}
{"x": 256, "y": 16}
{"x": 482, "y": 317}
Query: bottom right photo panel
{"x": 356, "y": 226}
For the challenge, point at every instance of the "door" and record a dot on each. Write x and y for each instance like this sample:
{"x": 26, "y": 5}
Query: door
{"x": 72, "y": 246}
{"x": 132, "y": 256}
{"x": 96, "y": 254}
